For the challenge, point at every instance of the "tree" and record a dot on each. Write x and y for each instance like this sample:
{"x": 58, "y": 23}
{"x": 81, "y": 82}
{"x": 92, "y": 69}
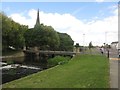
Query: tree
{"x": 6, "y": 28}
{"x": 47, "y": 38}
{"x": 44, "y": 37}
{"x": 18, "y": 35}
{"x": 90, "y": 45}
{"x": 12, "y": 33}
{"x": 77, "y": 45}
{"x": 66, "y": 42}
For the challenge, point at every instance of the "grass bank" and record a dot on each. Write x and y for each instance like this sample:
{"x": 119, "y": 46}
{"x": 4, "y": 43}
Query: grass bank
{"x": 83, "y": 71}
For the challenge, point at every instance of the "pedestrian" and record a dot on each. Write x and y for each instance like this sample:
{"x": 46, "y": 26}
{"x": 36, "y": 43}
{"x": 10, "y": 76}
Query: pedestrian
{"x": 101, "y": 50}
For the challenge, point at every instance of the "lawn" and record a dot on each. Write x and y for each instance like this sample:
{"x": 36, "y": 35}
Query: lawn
{"x": 83, "y": 71}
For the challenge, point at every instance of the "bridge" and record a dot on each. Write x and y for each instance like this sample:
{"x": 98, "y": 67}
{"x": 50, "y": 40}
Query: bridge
{"x": 51, "y": 52}
{"x": 39, "y": 54}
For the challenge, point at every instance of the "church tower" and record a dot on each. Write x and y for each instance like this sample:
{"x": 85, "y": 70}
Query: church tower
{"x": 37, "y": 20}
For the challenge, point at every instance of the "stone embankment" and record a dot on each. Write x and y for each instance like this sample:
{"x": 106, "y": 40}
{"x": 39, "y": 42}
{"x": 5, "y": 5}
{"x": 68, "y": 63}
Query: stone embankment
{"x": 19, "y": 54}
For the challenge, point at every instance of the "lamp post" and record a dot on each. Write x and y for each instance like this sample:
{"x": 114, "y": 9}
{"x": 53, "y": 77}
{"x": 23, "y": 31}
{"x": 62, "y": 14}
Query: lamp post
{"x": 83, "y": 39}
{"x": 106, "y": 37}
{"x": 105, "y": 41}
{"x": 83, "y": 42}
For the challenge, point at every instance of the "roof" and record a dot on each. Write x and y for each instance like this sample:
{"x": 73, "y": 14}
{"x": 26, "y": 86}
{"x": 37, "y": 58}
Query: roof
{"x": 114, "y": 42}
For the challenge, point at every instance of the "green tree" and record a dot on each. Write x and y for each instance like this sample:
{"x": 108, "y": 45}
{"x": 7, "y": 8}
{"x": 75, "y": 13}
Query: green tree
{"x": 12, "y": 33}
{"x": 6, "y": 28}
{"x": 77, "y": 45}
{"x": 18, "y": 35}
{"x": 90, "y": 45}
{"x": 44, "y": 37}
{"x": 66, "y": 42}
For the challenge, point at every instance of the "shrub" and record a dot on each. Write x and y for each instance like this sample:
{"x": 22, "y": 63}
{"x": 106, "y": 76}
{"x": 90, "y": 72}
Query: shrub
{"x": 58, "y": 60}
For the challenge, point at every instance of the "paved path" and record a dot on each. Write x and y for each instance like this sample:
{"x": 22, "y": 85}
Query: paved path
{"x": 114, "y": 69}
{"x": 119, "y": 74}
{"x": 114, "y": 73}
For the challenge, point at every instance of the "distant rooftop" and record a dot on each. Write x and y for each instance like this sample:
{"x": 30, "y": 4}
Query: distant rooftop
{"x": 114, "y": 42}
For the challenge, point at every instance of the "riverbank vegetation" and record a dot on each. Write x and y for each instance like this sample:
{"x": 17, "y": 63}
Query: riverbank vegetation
{"x": 58, "y": 60}
{"x": 82, "y": 71}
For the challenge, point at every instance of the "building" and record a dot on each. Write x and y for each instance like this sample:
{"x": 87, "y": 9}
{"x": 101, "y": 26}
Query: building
{"x": 37, "y": 20}
{"x": 114, "y": 45}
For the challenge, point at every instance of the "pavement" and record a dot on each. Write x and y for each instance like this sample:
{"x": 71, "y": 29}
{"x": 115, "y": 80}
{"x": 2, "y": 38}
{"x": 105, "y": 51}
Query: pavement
{"x": 113, "y": 73}
{"x": 114, "y": 69}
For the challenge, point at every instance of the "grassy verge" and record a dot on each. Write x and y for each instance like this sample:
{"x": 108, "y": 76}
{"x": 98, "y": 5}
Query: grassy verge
{"x": 83, "y": 71}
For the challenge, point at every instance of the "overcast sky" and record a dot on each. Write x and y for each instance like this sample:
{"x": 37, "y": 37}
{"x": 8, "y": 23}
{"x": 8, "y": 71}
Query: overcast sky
{"x": 83, "y": 21}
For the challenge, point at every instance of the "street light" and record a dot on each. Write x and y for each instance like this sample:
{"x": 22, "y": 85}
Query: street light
{"x": 106, "y": 38}
{"x": 83, "y": 42}
{"x": 83, "y": 39}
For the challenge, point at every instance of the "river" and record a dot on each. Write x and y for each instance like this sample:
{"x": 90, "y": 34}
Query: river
{"x": 17, "y": 67}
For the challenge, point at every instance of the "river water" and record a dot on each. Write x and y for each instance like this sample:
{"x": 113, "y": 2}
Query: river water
{"x": 18, "y": 67}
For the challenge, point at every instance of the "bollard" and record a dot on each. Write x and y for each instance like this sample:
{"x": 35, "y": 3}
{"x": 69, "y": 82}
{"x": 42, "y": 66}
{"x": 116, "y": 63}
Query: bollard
{"x": 108, "y": 54}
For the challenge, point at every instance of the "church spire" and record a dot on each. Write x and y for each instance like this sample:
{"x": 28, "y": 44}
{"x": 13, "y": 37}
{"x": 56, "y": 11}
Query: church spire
{"x": 37, "y": 20}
